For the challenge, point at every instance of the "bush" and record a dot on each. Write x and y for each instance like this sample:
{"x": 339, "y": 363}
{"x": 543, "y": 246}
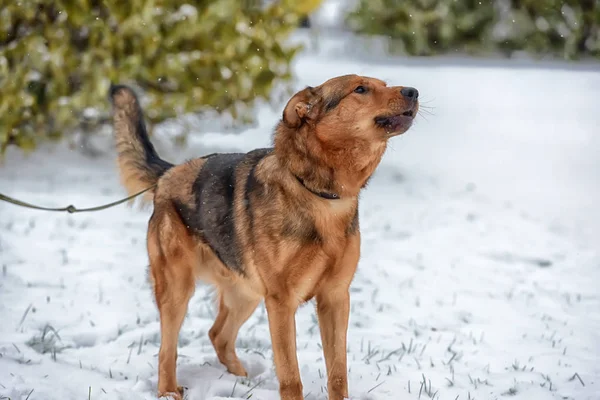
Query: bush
{"x": 565, "y": 28}
{"x": 58, "y": 58}
{"x": 425, "y": 27}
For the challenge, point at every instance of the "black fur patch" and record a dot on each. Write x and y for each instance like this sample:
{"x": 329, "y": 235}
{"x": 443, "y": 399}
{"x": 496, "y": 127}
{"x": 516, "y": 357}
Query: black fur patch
{"x": 214, "y": 189}
{"x": 213, "y": 218}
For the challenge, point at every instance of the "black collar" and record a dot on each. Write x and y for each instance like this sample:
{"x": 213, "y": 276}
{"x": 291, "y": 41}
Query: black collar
{"x": 325, "y": 195}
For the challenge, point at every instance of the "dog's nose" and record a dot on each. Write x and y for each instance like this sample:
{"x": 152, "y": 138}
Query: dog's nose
{"x": 410, "y": 93}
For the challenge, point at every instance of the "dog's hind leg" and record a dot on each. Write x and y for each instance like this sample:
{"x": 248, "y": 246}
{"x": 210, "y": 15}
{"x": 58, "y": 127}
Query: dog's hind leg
{"x": 172, "y": 302}
{"x": 235, "y": 307}
{"x": 174, "y": 283}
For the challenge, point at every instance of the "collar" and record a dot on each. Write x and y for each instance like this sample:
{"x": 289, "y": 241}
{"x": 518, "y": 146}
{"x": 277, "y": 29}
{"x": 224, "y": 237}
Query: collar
{"x": 324, "y": 195}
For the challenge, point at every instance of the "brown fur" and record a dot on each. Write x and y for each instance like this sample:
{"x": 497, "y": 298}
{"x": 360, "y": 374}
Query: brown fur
{"x": 286, "y": 244}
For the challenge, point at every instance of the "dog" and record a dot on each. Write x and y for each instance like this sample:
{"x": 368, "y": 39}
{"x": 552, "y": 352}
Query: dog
{"x": 278, "y": 224}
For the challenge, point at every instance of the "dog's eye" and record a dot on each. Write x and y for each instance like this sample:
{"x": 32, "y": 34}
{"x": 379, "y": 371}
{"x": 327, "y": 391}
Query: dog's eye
{"x": 360, "y": 89}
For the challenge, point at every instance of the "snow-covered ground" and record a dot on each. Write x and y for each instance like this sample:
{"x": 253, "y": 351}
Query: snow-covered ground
{"x": 480, "y": 269}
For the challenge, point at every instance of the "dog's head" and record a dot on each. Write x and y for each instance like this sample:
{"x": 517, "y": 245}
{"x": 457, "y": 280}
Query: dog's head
{"x": 353, "y": 106}
{"x": 344, "y": 124}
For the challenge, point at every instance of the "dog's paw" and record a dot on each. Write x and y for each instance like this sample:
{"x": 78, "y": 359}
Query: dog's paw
{"x": 236, "y": 368}
{"x": 170, "y": 396}
{"x": 178, "y": 395}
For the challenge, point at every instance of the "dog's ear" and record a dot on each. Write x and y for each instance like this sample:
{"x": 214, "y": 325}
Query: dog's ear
{"x": 303, "y": 106}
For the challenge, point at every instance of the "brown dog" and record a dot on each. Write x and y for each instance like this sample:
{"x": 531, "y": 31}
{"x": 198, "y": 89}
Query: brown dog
{"x": 278, "y": 224}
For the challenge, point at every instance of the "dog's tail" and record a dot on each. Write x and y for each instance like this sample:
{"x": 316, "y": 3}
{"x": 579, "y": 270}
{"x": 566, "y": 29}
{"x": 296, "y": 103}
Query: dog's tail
{"x": 139, "y": 165}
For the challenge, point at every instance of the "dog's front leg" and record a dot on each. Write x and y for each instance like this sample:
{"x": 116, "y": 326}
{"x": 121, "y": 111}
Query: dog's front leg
{"x": 333, "y": 309}
{"x": 282, "y": 325}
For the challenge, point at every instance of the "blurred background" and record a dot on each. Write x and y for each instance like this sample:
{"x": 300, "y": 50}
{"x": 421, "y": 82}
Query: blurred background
{"x": 480, "y": 262}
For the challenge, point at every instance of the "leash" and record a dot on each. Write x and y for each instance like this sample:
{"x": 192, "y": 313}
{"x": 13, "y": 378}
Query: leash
{"x": 71, "y": 208}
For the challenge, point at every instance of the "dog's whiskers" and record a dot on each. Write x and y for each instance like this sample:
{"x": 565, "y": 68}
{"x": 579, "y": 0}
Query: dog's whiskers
{"x": 424, "y": 102}
{"x": 423, "y": 114}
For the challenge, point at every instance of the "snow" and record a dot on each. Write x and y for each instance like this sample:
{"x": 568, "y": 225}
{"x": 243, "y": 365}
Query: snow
{"x": 479, "y": 271}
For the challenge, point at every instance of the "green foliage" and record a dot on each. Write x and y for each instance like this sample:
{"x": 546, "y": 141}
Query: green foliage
{"x": 563, "y": 28}
{"x": 426, "y": 27}
{"x": 58, "y": 58}
{"x": 566, "y": 28}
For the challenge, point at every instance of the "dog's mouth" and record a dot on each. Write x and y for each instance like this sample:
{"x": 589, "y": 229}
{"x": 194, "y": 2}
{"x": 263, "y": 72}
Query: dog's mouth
{"x": 396, "y": 124}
